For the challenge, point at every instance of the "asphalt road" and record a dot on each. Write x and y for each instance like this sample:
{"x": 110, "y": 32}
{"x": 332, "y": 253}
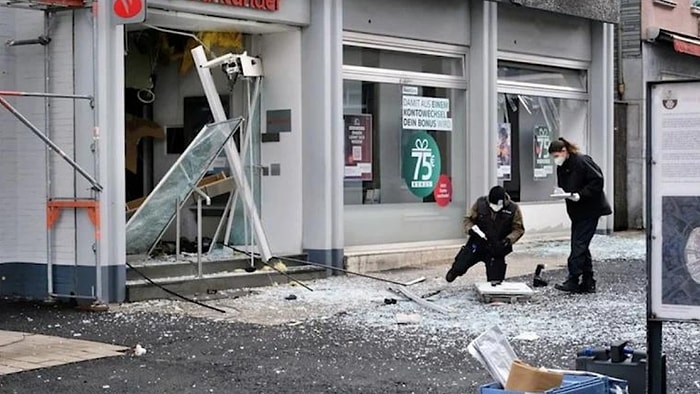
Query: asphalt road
{"x": 197, "y": 355}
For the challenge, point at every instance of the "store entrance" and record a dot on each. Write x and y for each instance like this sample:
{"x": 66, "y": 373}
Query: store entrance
{"x": 166, "y": 108}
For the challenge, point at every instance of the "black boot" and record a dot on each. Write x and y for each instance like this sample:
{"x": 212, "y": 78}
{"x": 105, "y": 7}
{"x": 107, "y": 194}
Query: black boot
{"x": 570, "y": 286}
{"x": 588, "y": 284}
{"x": 451, "y": 276}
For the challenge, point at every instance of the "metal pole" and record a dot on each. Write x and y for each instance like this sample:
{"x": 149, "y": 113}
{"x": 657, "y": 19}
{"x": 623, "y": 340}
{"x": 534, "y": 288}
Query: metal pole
{"x": 50, "y": 143}
{"x": 234, "y": 159}
{"x": 199, "y": 236}
{"x": 45, "y": 95}
{"x": 177, "y": 229}
{"x": 47, "y": 157}
{"x": 224, "y": 215}
{"x": 656, "y": 381}
{"x": 244, "y": 153}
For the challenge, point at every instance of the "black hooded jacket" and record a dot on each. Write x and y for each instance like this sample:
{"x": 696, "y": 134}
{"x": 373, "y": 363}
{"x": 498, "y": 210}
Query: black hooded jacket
{"x": 580, "y": 174}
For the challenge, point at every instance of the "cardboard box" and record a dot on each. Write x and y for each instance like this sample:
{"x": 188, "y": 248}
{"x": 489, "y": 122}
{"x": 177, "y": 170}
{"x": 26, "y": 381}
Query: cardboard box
{"x": 526, "y": 378}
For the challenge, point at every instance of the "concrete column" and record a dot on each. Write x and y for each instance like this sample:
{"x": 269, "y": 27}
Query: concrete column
{"x": 110, "y": 119}
{"x": 483, "y": 115}
{"x": 601, "y": 106}
{"x": 323, "y": 133}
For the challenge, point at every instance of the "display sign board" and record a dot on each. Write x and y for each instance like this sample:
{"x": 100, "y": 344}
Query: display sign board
{"x": 673, "y": 144}
{"x": 425, "y": 113}
{"x": 543, "y": 161}
{"x": 421, "y": 163}
{"x": 358, "y": 147}
{"x": 503, "y": 152}
{"x": 126, "y": 12}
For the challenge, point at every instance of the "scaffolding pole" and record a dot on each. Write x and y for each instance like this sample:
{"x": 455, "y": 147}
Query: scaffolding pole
{"x": 95, "y": 185}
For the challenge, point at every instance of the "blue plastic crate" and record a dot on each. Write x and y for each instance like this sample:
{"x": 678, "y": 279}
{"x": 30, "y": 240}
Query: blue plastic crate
{"x": 572, "y": 384}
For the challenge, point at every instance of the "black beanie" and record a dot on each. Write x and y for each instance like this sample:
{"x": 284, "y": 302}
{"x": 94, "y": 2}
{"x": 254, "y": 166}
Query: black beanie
{"x": 497, "y": 194}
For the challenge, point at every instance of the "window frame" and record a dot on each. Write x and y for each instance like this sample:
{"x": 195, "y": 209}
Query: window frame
{"x": 401, "y": 78}
{"x": 385, "y": 75}
{"x": 506, "y": 87}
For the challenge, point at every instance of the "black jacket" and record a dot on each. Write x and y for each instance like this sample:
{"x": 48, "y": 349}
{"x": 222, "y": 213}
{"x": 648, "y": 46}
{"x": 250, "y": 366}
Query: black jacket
{"x": 580, "y": 174}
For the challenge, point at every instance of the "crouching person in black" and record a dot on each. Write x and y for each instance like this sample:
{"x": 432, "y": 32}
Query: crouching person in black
{"x": 494, "y": 224}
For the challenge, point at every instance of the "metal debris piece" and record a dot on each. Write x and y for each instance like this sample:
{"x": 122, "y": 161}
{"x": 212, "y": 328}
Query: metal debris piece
{"x": 403, "y": 291}
{"x": 415, "y": 281}
{"x": 408, "y": 318}
{"x": 431, "y": 294}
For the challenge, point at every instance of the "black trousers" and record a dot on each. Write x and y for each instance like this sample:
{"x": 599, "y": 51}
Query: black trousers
{"x": 580, "y": 262}
{"x": 474, "y": 252}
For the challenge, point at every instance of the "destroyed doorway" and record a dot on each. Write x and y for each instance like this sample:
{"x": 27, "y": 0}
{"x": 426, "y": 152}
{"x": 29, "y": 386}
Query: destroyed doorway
{"x": 174, "y": 108}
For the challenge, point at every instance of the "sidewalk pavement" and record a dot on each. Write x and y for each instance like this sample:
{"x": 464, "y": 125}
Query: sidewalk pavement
{"x": 26, "y": 351}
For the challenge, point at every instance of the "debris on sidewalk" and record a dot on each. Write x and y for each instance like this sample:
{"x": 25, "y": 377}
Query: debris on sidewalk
{"x": 527, "y": 336}
{"x": 139, "y": 350}
{"x": 290, "y": 297}
{"x": 415, "y": 281}
{"x": 390, "y": 301}
{"x": 403, "y": 291}
{"x": 431, "y": 294}
{"x": 408, "y": 318}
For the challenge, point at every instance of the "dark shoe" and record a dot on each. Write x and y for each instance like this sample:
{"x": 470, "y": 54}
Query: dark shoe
{"x": 570, "y": 286}
{"x": 450, "y": 277}
{"x": 588, "y": 285}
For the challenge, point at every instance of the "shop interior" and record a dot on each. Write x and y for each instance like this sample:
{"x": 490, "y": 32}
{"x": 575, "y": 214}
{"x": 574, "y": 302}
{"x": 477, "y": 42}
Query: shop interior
{"x": 165, "y": 108}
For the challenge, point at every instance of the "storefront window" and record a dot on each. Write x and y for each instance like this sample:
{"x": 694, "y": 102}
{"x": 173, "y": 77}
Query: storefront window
{"x": 399, "y": 141}
{"x": 530, "y": 75}
{"x": 527, "y": 124}
{"x": 403, "y": 61}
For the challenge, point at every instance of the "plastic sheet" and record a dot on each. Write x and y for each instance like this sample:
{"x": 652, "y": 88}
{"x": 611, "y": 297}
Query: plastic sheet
{"x": 147, "y": 225}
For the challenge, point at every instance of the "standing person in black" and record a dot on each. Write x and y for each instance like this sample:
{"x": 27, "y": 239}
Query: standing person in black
{"x": 494, "y": 224}
{"x": 581, "y": 180}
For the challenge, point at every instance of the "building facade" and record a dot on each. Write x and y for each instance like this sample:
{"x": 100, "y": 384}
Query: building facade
{"x": 657, "y": 40}
{"x": 393, "y": 124}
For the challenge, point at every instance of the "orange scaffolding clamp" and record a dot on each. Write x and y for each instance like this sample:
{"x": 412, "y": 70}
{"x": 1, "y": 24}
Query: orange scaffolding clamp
{"x": 55, "y": 206}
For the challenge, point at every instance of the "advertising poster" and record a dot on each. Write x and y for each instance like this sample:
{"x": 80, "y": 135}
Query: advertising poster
{"x": 544, "y": 165}
{"x": 421, "y": 163}
{"x": 674, "y": 146}
{"x": 425, "y": 113}
{"x": 358, "y": 147}
{"x": 503, "y": 152}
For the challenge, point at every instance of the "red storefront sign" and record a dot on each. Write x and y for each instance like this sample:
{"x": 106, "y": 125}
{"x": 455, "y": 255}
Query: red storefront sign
{"x": 443, "y": 191}
{"x": 262, "y": 5}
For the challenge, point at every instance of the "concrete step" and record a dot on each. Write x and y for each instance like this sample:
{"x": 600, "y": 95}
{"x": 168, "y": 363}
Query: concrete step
{"x": 189, "y": 268}
{"x": 140, "y": 290}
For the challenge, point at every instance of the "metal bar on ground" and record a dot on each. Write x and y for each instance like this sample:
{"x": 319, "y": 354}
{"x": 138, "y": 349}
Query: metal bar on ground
{"x": 45, "y": 95}
{"x": 427, "y": 304}
{"x": 50, "y": 143}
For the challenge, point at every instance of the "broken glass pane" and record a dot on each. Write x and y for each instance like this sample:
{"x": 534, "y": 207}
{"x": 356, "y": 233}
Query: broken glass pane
{"x": 147, "y": 225}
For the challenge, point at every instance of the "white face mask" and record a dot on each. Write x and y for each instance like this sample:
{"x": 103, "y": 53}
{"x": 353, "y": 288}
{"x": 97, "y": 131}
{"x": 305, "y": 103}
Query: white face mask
{"x": 559, "y": 160}
{"x": 496, "y": 207}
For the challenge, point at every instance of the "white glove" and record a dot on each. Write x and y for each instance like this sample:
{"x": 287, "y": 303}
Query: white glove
{"x": 478, "y": 231}
{"x": 575, "y": 197}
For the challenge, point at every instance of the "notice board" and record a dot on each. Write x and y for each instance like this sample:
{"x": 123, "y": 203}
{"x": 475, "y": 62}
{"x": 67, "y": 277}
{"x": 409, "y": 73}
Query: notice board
{"x": 673, "y": 199}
